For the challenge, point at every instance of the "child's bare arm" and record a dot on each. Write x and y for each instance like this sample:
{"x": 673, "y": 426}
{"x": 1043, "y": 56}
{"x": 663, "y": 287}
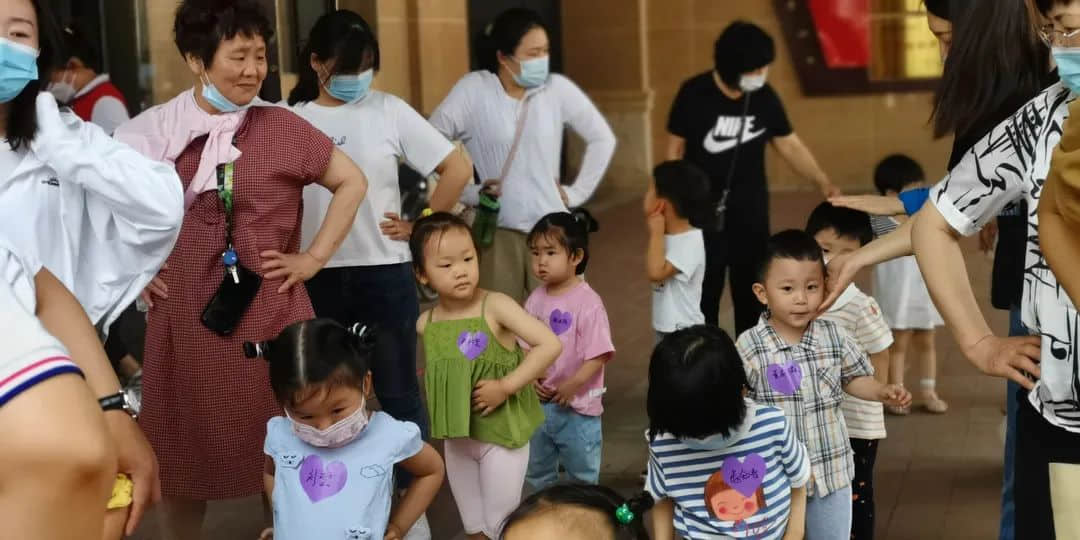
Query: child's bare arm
{"x": 268, "y": 478}
{"x": 428, "y": 471}
{"x": 657, "y": 267}
{"x": 663, "y": 520}
{"x": 868, "y": 388}
{"x": 544, "y": 348}
{"x": 570, "y": 387}
{"x": 796, "y": 527}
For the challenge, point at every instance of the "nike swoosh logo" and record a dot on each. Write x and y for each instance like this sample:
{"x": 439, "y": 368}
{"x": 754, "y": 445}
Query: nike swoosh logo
{"x": 714, "y": 145}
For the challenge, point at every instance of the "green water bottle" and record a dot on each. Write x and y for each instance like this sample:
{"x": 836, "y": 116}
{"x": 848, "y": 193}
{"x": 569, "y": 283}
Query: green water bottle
{"x": 487, "y": 220}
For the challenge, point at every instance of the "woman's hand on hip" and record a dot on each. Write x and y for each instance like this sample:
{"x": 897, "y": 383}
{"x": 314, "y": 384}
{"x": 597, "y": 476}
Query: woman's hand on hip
{"x": 157, "y": 287}
{"x": 1009, "y": 358}
{"x": 396, "y": 228}
{"x": 294, "y": 267}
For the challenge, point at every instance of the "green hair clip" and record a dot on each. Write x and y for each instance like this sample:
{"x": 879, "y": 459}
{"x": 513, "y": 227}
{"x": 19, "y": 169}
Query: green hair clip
{"x": 624, "y": 514}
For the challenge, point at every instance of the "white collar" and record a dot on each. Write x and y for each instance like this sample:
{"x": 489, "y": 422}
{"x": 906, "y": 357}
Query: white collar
{"x": 90, "y": 86}
{"x": 848, "y": 295}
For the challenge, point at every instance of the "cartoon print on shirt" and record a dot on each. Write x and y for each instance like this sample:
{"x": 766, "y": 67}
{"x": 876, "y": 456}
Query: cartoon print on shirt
{"x": 735, "y": 492}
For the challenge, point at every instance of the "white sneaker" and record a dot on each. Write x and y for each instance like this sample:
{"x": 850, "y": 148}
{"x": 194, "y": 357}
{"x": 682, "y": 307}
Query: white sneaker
{"x": 420, "y": 530}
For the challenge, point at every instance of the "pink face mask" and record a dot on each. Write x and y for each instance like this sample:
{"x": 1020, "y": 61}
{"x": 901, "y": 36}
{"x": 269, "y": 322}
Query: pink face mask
{"x": 341, "y": 433}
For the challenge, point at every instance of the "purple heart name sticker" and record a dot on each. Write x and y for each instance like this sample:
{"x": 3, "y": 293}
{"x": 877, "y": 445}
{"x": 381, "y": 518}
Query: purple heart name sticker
{"x": 784, "y": 378}
{"x": 560, "y": 321}
{"x": 321, "y": 482}
{"x": 472, "y": 344}
{"x": 744, "y": 476}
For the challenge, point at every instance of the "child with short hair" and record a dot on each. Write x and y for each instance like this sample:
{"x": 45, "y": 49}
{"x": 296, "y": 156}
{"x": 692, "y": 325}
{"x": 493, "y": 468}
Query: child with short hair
{"x": 572, "y": 389}
{"x": 840, "y": 231}
{"x": 330, "y": 459}
{"x": 479, "y": 381}
{"x": 803, "y": 365}
{"x": 902, "y": 293}
{"x": 675, "y": 260}
{"x": 578, "y": 512}
{"x": 720, "y": 464}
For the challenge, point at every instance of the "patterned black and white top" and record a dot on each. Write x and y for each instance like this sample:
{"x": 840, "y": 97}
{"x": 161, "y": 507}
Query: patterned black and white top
{"x": 1009, "y": 163}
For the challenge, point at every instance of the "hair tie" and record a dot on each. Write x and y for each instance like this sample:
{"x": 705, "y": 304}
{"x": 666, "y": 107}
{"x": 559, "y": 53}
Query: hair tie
{"x": 362, "y": 334}
{"x": 256, "y": 349}
{"x": 624, "y": 514}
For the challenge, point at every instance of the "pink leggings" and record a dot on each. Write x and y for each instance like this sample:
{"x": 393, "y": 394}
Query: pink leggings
{"x": 486, "y": 480}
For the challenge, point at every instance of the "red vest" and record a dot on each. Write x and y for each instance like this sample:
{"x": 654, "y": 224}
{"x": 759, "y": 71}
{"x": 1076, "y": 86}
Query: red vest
{"x": 84, "y": 104}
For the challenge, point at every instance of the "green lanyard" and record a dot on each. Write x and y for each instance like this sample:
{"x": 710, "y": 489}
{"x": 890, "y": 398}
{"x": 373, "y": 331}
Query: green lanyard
{"x": 225, "y": 193}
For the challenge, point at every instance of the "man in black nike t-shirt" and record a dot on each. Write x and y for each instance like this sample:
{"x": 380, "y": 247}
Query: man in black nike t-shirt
{"x": 706, "y": 124}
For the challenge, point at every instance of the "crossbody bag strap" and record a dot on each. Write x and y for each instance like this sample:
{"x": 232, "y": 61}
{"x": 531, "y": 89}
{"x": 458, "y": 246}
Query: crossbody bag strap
{"x": 520, "y": 129}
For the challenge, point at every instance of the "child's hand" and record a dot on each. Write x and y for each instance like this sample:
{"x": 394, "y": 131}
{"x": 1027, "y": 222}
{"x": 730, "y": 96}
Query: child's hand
{"x": 655, "y": 222}
{"x": 393, "y": 533}
{"x": 565, "y": 393}
{"x": 267, "y": 534}
{"x": 542, "y": 392}
{"x": 488, "y": 396}
{"x": 895, "y": 395}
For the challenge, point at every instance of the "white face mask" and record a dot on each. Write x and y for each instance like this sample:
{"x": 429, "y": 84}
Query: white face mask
{"x": 753, "y": 83}
{"x": 341, "y": 433}
{"x": 64, "y": 91}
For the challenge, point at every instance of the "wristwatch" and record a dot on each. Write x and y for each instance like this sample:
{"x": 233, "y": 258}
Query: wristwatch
{"x": 124, "y": 400}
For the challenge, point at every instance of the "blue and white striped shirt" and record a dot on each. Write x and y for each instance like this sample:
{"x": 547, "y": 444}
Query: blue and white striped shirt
{"x": 736, "y": 488}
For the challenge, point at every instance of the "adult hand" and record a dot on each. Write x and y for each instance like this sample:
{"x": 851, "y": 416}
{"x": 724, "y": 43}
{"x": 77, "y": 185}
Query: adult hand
{"x": 878, "y": 205}
{"x": 988, "y": 236}
{"x": 488, "y": 396}
{"x": 1007, "y": 357}
{"x": 829, "y": 190}
{"x": 542, "y": 392}
{"x": 137, "y": 460}
{"x": 841, "y": 273}
{"x": 396, "y": 228}
{"x": 393, "y": 533}
{"x": 492, "y": 187}
{"x": 565, "y": 394}
{"x": 294, "y": 267}
{"x": 157, "y": 287}
{"x": 895, "y": 395}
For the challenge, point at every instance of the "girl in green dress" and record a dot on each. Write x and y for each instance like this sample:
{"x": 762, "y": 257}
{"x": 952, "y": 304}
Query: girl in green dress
{"x": 479, "y": 381}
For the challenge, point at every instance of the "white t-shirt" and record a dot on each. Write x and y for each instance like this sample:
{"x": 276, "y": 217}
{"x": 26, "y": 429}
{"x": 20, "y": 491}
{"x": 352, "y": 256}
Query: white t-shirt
{"x": 376, "y": 133}
{"x": 484, "y": 117}
{"x": 677, "y": 301}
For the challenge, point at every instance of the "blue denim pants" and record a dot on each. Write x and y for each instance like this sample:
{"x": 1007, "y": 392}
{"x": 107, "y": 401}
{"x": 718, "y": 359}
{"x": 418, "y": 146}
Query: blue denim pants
{"x": 383, "y": 297}
{"x": 829, "y": 517}
{"x": 1008, "y": 506}
{"x": 566, "y": 438}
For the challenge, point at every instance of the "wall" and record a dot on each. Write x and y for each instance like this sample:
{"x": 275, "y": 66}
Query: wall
{"x": 847, "y": 134}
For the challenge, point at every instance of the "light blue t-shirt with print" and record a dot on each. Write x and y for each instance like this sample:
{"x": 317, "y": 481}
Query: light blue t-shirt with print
{"x": 337, "y": 493}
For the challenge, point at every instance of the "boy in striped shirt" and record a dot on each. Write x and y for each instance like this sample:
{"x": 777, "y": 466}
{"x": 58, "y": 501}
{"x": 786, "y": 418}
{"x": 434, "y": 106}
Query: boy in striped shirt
{"x": 720, "y": 465}
{"x": 839, "y": 231}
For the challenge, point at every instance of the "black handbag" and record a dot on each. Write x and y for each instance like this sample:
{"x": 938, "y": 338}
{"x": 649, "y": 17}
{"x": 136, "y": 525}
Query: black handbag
{"x": 239, "y": 285}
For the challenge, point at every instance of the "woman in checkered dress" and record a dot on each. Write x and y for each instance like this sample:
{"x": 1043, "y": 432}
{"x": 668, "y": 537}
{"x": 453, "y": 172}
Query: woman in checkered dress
{"x": 205, "y": 406}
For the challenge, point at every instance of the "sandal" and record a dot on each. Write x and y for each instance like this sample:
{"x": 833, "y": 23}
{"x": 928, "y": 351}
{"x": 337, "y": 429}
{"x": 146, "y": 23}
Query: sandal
{"x": 930, "y": 400}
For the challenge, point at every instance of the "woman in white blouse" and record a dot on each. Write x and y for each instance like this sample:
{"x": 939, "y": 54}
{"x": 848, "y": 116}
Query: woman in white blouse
{"x": 486, "y": 109}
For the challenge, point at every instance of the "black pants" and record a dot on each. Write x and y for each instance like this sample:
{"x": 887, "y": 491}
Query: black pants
{"x": 385, "y": 297}
{"x": 740, "y": 247}
{"x": 1038, "y": 444}
{"x": 126, "y": 336}
{"x": 862, "y": 489}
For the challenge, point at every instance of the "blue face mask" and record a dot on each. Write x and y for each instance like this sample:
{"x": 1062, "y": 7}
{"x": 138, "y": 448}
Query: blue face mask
{"x": 533, "y": 72}
{"x": 18, "y": 66}
{"x": 1068, "y": 64}
{"x": 351, "y": 88}
{"x": 218, "y": 100}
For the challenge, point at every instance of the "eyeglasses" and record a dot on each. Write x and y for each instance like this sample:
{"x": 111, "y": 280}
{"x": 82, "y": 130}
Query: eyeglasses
{"x": 1059, "y": 38}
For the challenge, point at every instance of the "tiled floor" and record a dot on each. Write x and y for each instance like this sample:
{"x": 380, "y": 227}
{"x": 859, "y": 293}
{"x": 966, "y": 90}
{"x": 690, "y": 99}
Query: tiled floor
{"x": 938, "y": 477}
